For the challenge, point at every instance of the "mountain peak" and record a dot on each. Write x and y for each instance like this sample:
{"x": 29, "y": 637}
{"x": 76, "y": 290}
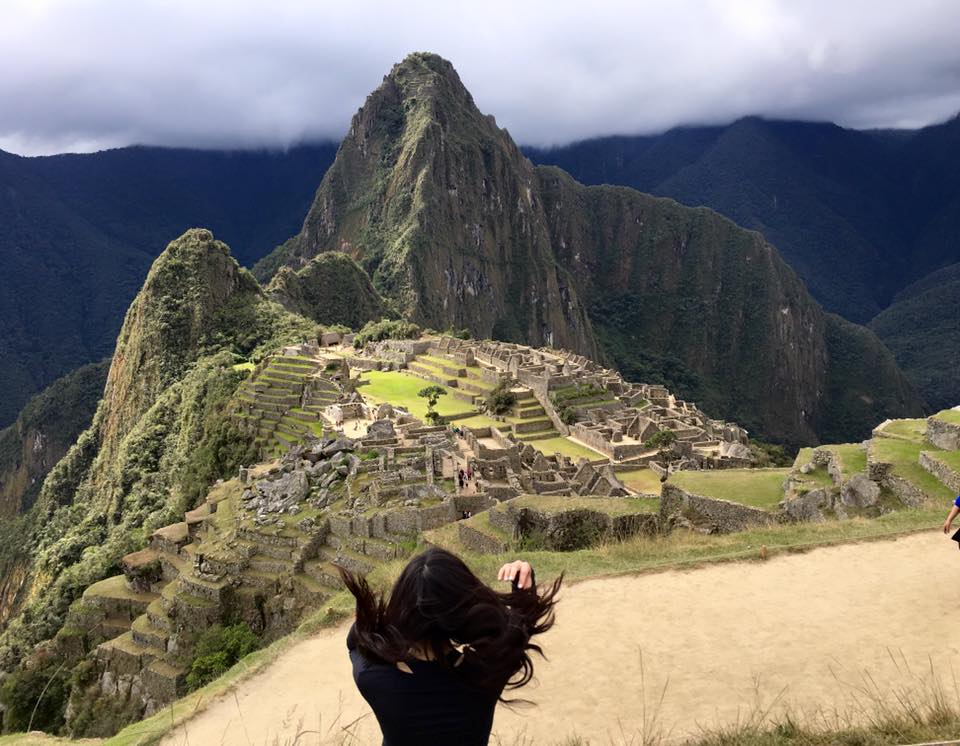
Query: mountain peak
{"x": 439, "y": 207}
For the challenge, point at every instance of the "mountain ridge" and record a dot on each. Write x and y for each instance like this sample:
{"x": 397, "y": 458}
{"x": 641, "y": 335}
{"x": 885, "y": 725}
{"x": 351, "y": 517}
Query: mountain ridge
{"x": 434, "y": 202}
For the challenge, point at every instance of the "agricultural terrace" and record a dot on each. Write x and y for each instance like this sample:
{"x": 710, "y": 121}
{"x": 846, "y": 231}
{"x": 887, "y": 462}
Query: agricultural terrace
{"x": 645, "y": 481}
{"x": 904, "y": 455}
{"x": 757, "y": 488}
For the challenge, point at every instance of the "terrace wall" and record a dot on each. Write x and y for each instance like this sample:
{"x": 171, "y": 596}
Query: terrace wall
{"x": 722, "y": 515}
{"x": 940, "y": 470}
{"x": 942, "y": 434}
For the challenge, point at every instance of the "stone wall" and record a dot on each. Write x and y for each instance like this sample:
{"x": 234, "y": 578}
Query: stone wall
{"x": 477, "y": 541}
{"x": 571, "y": 529}
{"x": 720, "y": 515}
{"x": 930, "y": 462}
{"x": 942, "y": 434}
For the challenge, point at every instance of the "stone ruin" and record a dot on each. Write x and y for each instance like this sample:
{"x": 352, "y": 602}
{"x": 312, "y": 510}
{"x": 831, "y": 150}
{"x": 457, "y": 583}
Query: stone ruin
{"x": 575, "y": 396}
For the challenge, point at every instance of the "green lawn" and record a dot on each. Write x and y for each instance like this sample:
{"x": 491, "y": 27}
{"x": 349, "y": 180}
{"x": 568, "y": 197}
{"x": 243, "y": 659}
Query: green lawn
{"x": 949, "y": 415}
{"x": 913, "y": 430}
{"x": 642, "y": 480}
{"x": 401, "y": 390}
{"x": 758, "y": 488}
{"x": 904, "y": 455}
{"x": 566, "y": 447}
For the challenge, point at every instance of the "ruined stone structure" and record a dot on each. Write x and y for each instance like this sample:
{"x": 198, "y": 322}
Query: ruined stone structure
{"x": 561, "y": 393}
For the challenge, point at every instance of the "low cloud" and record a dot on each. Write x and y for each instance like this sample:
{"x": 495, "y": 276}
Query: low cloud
{"x": 89, "y": 74}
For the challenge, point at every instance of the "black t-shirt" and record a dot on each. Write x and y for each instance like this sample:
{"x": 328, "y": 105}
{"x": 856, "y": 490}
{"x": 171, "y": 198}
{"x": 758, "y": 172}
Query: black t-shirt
{"x": 433, "y": 705}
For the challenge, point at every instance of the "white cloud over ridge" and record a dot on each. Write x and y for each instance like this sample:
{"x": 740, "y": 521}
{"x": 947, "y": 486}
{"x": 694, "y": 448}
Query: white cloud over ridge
{"x": 88, "y": 74}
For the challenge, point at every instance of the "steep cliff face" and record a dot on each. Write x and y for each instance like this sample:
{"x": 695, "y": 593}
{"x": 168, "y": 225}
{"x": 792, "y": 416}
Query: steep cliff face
{"x": 44, "y": 431}
{"x": 331, "y": 289}
{"x": 441, "y": 209}
{"x": 700, "y": 298}
{"x": 157, "y": 431}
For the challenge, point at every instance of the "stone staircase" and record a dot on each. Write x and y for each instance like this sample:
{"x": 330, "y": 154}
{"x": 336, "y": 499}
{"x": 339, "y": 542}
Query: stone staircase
{"x": 528, "y": 419}
{"x": 282, "y": 401}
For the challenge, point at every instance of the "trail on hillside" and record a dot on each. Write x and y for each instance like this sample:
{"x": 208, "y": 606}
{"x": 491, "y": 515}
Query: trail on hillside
{"x": 809, "y": 631}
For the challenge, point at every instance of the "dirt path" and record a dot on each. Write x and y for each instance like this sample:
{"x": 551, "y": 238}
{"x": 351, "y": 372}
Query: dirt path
{"x": 804, "y": 628}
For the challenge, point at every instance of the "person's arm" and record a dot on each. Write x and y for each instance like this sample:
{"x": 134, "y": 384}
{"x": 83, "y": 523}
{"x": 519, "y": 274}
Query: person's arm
{"x": 519, "y": 573}
{"x": 954, "y": 511}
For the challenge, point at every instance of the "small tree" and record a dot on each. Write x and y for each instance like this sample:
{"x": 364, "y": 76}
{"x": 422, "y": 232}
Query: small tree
{"x": 500, "y": 399}
{"x": 432, "y": 394}
{"x": 663, "y": 439}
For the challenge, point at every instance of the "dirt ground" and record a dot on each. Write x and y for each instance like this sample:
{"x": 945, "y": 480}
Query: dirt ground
{"x": 806, "y": 631}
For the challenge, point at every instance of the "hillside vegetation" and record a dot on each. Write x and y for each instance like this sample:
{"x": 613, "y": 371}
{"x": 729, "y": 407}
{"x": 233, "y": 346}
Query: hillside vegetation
{"x": 46, "y": 428}
{"x": 921, "y": 328}
{"x": 330, "y": 289}
{"x": 859, "y": 215}
{"x": 160, "y": 435}
{"x": 80, "y": 232}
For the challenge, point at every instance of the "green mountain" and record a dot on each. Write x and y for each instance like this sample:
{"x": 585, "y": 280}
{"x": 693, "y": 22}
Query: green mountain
{"x": 331, "y": 289}
{"x": 858, "y": 214}
{"x": 160, "y": 436}
{"x": 921, "y": 327}
{"x": 80, "y": 231}
{"x": 458, "y": 229}
{"x": 43, "y": 432}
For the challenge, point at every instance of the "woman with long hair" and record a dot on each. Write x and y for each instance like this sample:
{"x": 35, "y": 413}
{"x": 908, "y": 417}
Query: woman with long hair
{"x": 433, "y": 659}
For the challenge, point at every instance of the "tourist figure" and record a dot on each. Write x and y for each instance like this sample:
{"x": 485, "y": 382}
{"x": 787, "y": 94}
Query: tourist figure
{"x": 948, "y": 524}
{"x": 434, "y": 658}
{"x": 460, "y": 478}
{"x": 469, "y": 473}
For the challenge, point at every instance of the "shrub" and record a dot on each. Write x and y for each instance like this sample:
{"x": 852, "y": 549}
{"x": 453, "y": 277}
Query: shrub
{"x": 768, "y": 454}
{"x": 375, "y": 331}
{"x": 35, "y": 697}
{"x": 458, "y": 333}
{"x": 500, "y": 399}
{"x": 218, "y": 649}
{"x": 663, "y": 439}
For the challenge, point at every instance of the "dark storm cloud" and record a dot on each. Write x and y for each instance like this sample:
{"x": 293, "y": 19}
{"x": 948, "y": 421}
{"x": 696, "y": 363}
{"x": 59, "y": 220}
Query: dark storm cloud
{"x": 86, "y": 74}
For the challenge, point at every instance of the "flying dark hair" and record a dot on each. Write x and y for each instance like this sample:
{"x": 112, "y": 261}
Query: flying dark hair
{"x": 437, "y": 603}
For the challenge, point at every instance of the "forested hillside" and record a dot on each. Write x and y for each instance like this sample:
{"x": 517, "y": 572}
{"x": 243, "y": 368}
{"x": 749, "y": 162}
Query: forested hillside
{"x": 80, "y": 231}
{"x": 860, "y": 215}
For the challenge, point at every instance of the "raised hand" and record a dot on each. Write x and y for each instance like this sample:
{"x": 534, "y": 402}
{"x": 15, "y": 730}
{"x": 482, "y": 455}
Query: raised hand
{"x": 517, "y": 569}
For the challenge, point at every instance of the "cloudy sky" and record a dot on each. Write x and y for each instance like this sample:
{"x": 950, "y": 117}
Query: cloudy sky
{"x": 87, "y": 74}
